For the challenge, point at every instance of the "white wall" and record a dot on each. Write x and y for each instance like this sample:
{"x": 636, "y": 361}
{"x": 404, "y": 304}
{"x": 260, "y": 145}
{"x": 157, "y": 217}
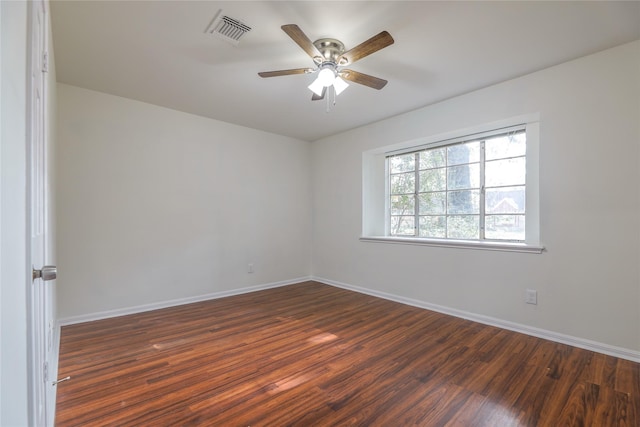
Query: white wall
{"x": 156, "y": 205}
{"x": 588, "y": 279}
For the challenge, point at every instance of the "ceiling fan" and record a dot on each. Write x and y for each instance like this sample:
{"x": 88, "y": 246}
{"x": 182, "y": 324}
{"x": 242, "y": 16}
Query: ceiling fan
{"x": 330, "y": 56}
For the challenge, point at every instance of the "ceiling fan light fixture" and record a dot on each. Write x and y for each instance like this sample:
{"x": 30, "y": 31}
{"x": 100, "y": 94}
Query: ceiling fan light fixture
{"x": 339, "y": 85}
{"x": 316, "y": 87}
{"x": 326, "y": 76}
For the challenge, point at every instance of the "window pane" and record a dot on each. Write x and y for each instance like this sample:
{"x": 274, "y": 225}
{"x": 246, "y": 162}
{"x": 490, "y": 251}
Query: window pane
{"x": 505, "y": 172}
{"x": 433, "y": 180}
{"x": 402, "y": 226}
{"x": 403, "y": 183}
{"x": 504, "y": 227}
{"x": 466, "y": 176}
{"x": 436, "y": 192}
{"x": 505, "y": 200}
{"x": 433, "y": 203}
{"x": 434, "y": 158}
{"x": 433, "y": 226}
{"x": 403, "y": 205}
{"x": 506, "y": 146}
{"x": 463, "y": 202}
{"x": 403, "y": 163}
{"x": 463, "y": 227}
{"x": 463, "y": 153}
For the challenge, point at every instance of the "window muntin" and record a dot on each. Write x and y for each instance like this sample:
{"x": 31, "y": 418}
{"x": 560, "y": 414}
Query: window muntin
{"x": 474, "y": 189}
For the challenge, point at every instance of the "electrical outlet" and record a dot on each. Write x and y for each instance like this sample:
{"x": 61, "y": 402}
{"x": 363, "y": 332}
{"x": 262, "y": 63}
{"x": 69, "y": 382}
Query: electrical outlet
{"x": 250, "y": 268}
{"x": 531, "y": 296}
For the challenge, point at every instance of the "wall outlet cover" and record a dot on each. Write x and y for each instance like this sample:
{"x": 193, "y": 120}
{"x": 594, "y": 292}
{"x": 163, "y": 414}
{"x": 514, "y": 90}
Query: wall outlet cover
{"x": 531, "y": 296}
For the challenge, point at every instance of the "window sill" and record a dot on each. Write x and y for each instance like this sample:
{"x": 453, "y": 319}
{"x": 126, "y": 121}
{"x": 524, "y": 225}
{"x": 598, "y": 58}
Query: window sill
{"x": 460, "y": 244}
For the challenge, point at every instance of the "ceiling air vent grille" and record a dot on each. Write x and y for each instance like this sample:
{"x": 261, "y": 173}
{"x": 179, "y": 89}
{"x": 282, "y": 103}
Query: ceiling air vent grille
{"x": 228, "y": 29}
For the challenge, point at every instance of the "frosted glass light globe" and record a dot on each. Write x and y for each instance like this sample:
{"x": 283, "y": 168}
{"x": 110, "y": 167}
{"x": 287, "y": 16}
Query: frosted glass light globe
{"x": 326, "y": 76}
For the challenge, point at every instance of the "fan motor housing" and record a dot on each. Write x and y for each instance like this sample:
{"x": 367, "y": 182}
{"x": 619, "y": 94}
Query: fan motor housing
{"x": 331, "y": 50}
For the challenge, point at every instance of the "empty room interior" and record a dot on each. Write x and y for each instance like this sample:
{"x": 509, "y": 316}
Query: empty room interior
{"x": 278, "y": 213}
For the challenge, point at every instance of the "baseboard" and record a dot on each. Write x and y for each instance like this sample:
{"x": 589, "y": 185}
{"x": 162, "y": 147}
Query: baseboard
{"x": 171, "y": 303}
{"x": 597, "y": 347}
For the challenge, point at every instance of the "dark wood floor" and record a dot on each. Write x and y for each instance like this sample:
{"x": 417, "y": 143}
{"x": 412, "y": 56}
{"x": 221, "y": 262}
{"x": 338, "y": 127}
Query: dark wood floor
{"x": 314, "y": 355}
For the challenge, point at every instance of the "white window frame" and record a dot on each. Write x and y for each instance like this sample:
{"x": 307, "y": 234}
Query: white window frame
{"x": 375, "y": 217}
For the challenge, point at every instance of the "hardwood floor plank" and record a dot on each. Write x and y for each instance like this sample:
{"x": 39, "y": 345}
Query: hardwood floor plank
{"x": 467, "y": 415}
{"x": 580, "y": 405}
{"x": 313, "y": 355}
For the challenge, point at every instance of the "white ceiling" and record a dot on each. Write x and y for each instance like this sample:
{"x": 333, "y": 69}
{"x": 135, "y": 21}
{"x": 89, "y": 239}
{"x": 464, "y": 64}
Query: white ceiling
{"x": 157, "y": 52}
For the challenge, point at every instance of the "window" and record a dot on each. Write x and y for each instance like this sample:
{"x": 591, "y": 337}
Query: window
{"x": 471, "y": 188}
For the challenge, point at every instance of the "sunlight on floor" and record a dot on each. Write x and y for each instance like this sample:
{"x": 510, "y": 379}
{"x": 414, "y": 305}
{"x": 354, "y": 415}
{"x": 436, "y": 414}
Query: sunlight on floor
{"x": 288, "y": 383}
{"x": 501, "y": 415}
{"x": 324, "y": 337}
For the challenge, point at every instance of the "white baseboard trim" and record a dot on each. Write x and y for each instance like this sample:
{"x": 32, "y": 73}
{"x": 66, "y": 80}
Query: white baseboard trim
{"x": 586, "y": 344}
{"x": 181, "y": 301}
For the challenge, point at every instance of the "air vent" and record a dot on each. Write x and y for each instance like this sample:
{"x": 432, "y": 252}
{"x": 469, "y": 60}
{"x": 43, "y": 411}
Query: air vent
{"x": 227, "y": 28}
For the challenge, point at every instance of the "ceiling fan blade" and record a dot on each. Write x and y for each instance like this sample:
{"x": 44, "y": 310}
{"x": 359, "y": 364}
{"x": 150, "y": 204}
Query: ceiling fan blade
{"x": 363, "y": 79}
{"x": 285, "y": 72}
{"x": 302, "y": 40}
{"x": 317, "y": 98}
{"x": 366, "y": 48}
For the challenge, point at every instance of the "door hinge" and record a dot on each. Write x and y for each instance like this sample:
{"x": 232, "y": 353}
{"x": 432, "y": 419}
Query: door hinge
{"x": 45, "y": 62}
{"x": 45, "y": 371}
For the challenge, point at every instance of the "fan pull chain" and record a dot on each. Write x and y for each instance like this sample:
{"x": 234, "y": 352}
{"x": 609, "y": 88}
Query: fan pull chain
{"x": 327, "y": 99}
{"x": 330, "y": 92}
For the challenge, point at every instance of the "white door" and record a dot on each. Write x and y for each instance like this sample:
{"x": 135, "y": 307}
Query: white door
{"x": 40, "y": 398}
